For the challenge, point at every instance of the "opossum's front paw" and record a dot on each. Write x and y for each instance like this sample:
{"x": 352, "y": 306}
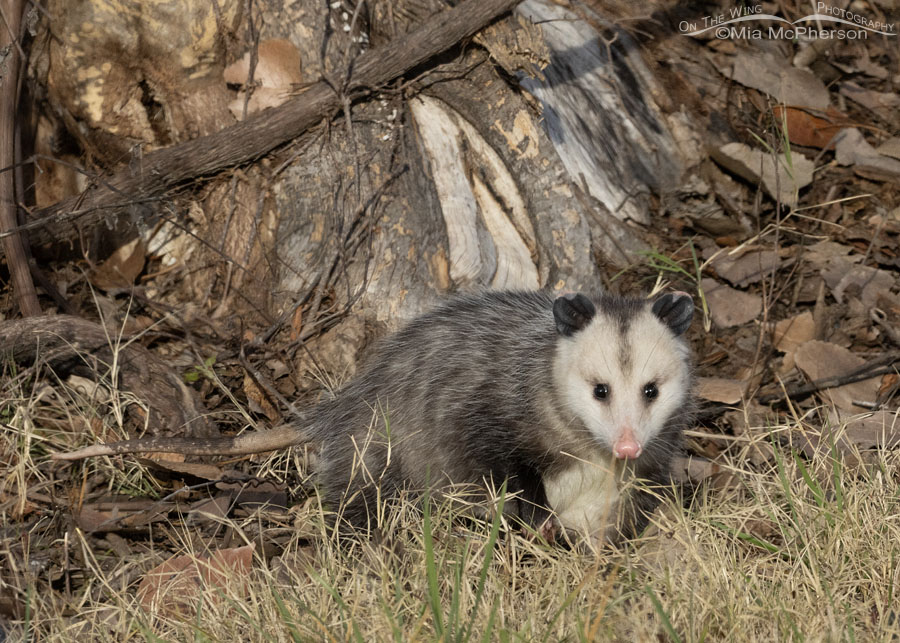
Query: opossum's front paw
{"x": 550, "y": 529}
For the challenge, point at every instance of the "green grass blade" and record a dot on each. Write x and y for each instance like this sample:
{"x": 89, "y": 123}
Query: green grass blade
{"x": 664, "y": 617}
{"x": 434, "y": 594}
{"x": 811, "y": 483}
{"x": 837, "y": 475}
{"x": 339, "y": 601}
{"x": 286, "y": 617}
{"x": 488, "y": 559}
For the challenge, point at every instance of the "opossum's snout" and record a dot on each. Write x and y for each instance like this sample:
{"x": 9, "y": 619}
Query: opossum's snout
{"x": 627, "y": 447}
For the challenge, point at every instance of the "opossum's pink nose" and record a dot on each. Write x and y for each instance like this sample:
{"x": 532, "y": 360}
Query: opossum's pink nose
{"x": 627, "y": 447}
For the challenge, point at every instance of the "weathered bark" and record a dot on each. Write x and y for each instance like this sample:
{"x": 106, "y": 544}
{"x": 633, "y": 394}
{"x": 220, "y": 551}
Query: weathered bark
{"x": 599, "y": 110}
{"x": 449, "y": 179}
{"x": 69, "y": 345}
{"x": 157, "y": 171}
{"x": 485, "y": 199}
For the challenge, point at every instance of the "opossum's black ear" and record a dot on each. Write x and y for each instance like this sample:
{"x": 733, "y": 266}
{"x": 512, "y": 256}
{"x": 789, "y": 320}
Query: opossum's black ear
{"x": 572, "y": 313}
{"x": 675, "y": 310}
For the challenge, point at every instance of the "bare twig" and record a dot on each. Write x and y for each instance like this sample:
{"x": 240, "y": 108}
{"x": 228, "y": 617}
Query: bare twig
{"x": 880, "y": 366}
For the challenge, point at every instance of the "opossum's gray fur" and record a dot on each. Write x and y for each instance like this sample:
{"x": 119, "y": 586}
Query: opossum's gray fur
{"x": 462, "y": 394}
{"x": 467, "y": 394}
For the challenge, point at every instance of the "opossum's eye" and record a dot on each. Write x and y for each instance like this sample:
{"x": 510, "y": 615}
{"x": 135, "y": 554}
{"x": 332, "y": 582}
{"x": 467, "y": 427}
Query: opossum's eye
{"x": 601, "y": 391}
{"x": 651, "y": 391}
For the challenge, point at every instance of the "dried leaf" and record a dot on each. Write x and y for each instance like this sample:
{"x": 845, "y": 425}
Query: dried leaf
{"x": 121, "y": 515}
{"x": 296, "y": 323}
{"x": 743, "y": 269}
{"x": 793, "y": 331}
{"x": 888, "y": 382}
{"x": 259, "y": 400}
{"x": 870, "y": 285}
{"x": 779, "y": 179}
{"x": 729, "y": 307}
{"x": 885, "y": 104}
{"x": 718, "y": 389}
{"x": 90, "y": 520}
{"x": 176, "y": 587}
{"x": 693, "y": 469}
{"x": 209, "y": 509}
{"x": 786, "y": 84}
{"x": 820, "y": 254}
{"x": 259, "y": 494}
{"x": 850, "y": 432}
{"x": 180, "y": 468}
{"x": 890, "y": 147}
{"x": 852, "y": 149}
{"x": 819, "y": 360}
{"x": 121, "y": 268}
{"x": 278, "y": 367}
{"x": 811, "y": 128}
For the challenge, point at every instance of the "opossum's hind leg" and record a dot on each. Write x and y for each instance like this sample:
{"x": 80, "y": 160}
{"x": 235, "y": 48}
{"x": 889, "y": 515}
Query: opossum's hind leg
{"x": 353, "y": 491}
{"x": 355, "y": 512}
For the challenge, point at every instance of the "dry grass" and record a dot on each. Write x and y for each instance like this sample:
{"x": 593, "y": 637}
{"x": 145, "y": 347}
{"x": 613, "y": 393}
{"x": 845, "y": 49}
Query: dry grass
{"x": 799, "y": 549}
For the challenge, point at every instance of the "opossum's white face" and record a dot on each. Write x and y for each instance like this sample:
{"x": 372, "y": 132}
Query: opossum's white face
{"x": 620, "y": 366}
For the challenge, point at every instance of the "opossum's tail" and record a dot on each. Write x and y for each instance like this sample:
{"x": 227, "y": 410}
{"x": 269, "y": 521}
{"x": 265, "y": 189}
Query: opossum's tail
{"x": 255, "y": 442}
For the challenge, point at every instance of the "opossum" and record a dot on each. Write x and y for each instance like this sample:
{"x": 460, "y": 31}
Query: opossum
{"x": 564, "y": 398}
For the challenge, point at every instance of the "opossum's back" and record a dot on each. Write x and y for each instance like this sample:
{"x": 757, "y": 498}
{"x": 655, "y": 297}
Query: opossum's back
{"x": 453, "y": 364}
{"x": 476, "y": 339}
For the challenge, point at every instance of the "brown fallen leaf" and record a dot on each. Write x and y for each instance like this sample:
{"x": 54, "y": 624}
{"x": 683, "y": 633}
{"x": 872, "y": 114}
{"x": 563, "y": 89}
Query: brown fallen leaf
{"x": 254, "y": 494}
{"x": 209, "y": 509}
{"x": 888, "y": 383}
{"x": 741, "y": 270}
{"x": 199, "y": 470}
{"x": 819, "y": 360}
{"x": 775, "y": 76}
{"x": 864, "y": 282}
{"x": 793, "y": 331}
{"x": 90, "y": 521}
{"x": 259, "y": 399}
{"x": 885, "y": 104}
{"x": 182, "y": 583}
{"x": 852, "y": 432}
{"x": 851, "y": 148}
{"x": 693, "y": 469}
{"x": 296, "y": 323}
{"x": 779, "y": 179}
{"x": 719, "y": 389}
{"x": 890, "y": 147}
{"x": 810, "y": 127}
{"x": 121, "y": 515}
{"x": 729, "y": 307}
{"x": 121, "y": 268}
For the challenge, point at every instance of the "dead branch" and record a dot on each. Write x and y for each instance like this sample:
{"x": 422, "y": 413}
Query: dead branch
{"x": 13, "y": 248}
{"x": 264, "y": 131}
{"x": 881, "y": 366}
